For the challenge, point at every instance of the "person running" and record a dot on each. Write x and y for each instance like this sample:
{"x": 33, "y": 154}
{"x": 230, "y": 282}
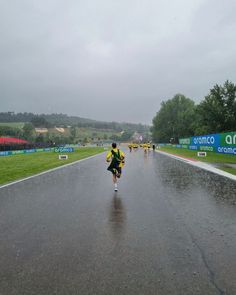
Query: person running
{"x": 145, "y": 147}
{"x": 117, "y": 159}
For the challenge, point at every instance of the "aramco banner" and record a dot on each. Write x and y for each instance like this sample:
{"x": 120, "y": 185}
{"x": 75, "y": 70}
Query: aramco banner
{"x": 223, "y": 143}
{"x": 64, "y": 150}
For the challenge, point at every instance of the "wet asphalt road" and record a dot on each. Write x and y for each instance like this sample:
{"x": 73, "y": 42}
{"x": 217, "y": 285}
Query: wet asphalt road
{"x": 171, "y": 229}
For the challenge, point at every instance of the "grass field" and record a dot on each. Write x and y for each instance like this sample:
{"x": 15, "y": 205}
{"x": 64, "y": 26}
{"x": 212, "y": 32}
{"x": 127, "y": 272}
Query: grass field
{"x": 229, "y": 170}
{"x": 210, "y": 158}
{"x": 92, "y": 132}
{"x": 19, "y": 125}
{"x": 20, "y": 166}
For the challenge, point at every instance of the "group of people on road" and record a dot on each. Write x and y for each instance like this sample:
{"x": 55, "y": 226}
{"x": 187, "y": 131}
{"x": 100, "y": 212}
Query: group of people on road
{"x": 146, "y": 146}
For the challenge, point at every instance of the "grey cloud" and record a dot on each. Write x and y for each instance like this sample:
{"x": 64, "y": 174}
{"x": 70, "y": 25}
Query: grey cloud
{"x": 112, "y": 60}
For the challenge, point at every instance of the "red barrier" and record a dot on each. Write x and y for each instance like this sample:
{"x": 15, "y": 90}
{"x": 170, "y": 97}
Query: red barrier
{"x": 6, "y": 140}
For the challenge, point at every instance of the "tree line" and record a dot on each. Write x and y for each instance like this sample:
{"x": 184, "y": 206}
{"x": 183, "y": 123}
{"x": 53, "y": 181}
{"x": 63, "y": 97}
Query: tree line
{"x": 181, "y": 117}
{"x": 72, "y": 135}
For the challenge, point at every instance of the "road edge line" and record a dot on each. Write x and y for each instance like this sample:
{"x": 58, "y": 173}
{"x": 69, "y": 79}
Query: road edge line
{"x": 48, "y": 171}
{"x": 201, "y": 165}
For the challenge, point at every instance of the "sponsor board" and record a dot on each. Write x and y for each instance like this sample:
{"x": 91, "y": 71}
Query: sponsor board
{"x": 207, "y": 148}
{"x": 30, "y": 151}
{"x": 7, "y": 153}
{"x": 223, "y": 143}
{"x": 193, "y": 147}
{"x": 64, "y": 150}
{"x": 184, "y": 141}
{"x": 19, "y": 152}
{"x": 228, "y": 139}
{"x": 39, "y": 150}
{"x": 226, "y": 150}
{"x": 206, "y": 140}
{"x": 47, "y": 150}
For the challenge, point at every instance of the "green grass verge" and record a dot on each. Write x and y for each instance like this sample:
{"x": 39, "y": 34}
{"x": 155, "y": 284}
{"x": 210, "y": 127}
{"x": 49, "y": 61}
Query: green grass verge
{"x": 20, "y": 166}
{"x": 229, "y": 170}
{"x": 210, "y": 158}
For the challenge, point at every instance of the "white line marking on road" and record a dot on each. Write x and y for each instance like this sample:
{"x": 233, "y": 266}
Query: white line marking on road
{"x": 200, "y": 165}
{"x": 48, "y": 171}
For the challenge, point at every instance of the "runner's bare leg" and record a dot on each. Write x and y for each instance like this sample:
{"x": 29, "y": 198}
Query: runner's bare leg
{"x": 114, "y": 178}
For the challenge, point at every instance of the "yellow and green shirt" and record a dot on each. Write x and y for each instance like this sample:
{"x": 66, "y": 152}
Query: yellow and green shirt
{"x": 120, "y": 154}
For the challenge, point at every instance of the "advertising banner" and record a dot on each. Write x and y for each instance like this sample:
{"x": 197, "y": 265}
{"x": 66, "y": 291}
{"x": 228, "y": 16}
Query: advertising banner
{"x": 228, "y": 139}
{"x": 226, "y": 150}
{"x": 223, "y": 143}
{"x": 206, "y": 140}
{"x": 207, "y": 148}
{"x": 185, "y": 141}
{"x": 64, "y": 150}
{"x": 5, "y": 153}
{"x": 19, "y": 152}
{"x": 193, "y": 147}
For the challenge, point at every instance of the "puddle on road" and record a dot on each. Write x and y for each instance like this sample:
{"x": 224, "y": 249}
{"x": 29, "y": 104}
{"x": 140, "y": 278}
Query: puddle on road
{"x": 185, "y": 178}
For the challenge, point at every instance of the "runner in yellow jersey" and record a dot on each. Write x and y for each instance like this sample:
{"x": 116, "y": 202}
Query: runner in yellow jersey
{"x": 145, "y": 147}
{"x": 116, "y": 158}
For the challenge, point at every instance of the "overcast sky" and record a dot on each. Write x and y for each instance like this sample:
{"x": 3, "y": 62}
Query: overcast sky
{"x": 112, "y": 59}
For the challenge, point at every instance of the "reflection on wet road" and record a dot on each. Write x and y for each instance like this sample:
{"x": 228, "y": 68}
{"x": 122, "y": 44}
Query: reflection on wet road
{"x": 117, "y": 216}
{"x": 170, "y": 229}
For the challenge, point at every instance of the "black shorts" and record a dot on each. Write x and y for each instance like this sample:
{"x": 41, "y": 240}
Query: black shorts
{"x": 115, "y": 170}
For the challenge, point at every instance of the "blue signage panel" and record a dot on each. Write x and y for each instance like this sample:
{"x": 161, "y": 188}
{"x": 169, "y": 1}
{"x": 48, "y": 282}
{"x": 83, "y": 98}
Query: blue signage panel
{"x": 30, "y": 151}
{"x": 5, "y": 153}
{"x": 64, "y": 150}
{"x": 206, "y": 140}
{"x": 226, "y": 150}
{"x": 223, "y": 143}
{"x": 193, "y": 147}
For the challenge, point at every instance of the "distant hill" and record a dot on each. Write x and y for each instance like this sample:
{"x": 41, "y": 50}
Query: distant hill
{"x": 62, "y": 129}
{"x": 63, "y": 121}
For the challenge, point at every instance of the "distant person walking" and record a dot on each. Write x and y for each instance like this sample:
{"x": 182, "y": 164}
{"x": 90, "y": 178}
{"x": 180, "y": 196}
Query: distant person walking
{"x": 130, "y": 147}
{"x": 116, "y": 158}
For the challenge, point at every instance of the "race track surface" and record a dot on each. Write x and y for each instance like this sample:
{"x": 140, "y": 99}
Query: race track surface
{"x": 170, "y": 229}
